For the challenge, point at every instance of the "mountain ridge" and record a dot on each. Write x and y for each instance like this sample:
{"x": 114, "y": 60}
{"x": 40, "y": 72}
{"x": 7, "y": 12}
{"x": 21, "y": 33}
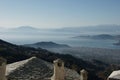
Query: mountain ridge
{"x": 46, "y": 45}
{"x": 17, "y": 53}
{"x": 100, "y": 36}
{"x": 105, "y": 28}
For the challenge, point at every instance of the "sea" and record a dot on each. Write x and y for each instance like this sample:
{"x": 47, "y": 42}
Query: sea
{"x": 61, "y": 38}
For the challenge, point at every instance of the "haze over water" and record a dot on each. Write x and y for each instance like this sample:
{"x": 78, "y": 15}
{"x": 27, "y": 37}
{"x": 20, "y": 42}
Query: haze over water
{"x": 28, "y": 37}
{"x": 58, "y": 14}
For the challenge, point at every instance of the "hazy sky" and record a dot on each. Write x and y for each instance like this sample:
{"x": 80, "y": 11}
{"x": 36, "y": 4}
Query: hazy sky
{"x": 58, "y": 13}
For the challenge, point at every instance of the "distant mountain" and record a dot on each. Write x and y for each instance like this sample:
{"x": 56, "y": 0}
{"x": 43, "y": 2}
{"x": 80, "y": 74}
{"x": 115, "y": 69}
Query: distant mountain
{"x": 68, "y": 31}
{"x": 47, "y": 45}
{"x": 100, "y": 36}
{"x": 118, "y": 43}
{"x": 112, "y": 29}
{"x": 24, "y": 28}
{"x": 14, "y": 53}
{"x": 103, "y": 36}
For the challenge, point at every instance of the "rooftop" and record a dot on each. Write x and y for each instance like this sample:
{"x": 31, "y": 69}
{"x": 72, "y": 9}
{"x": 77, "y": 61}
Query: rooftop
{"x": 35, "y": 69}
{"x": 115, "y": 75}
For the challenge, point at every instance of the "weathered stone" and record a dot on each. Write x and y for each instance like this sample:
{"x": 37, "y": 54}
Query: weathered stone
{"x": 37, "y": 69}
{"x": 2, "y": 69}
{"x": 83, "y": 75}
{"x": 59, "y": 72}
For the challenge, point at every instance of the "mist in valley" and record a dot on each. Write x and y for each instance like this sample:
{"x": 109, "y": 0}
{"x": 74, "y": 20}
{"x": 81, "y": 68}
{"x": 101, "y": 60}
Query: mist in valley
{"x": 85, "y": 48}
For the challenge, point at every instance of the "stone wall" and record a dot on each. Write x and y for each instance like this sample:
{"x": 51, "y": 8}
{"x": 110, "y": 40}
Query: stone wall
{"x": 59, "y": 73}
{"x": 83, "y": 74}
{"x": 2, "y": 69}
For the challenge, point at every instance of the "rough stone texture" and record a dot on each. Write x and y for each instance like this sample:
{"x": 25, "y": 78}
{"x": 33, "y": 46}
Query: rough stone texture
{"x": 59, "y": 72}
{"x": 115, "y": 75}
{"x": 112, "y": 79}
{"x": 83, "y": 75}
{"x": 2, "y": 69}
{"x": 36, "y": 69}
{"x": 13, "y": 66}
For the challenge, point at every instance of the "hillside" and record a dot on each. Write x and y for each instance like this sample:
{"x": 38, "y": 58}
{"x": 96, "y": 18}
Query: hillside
{"x": 118, "y": 43}
{"x": 100, "y": 36}
{"x": 47, "y": 45}
{"x": 14, "y": 53}
{"x": 105, "y": 55}
{"x": 24, "y": 29}
{"x": 110, "y": 29}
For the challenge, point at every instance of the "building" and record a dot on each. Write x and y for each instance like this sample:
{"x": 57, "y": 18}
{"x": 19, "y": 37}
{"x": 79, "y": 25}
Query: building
{"x": 115, "y": 75}
{"x": 37, "y": 69}
{"x": 83, "y": 74}
{"x": 2, "y": 68}
{"x": 59, "y": 72}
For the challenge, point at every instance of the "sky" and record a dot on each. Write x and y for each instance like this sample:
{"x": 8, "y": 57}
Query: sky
{"x": 58, "y": 13}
